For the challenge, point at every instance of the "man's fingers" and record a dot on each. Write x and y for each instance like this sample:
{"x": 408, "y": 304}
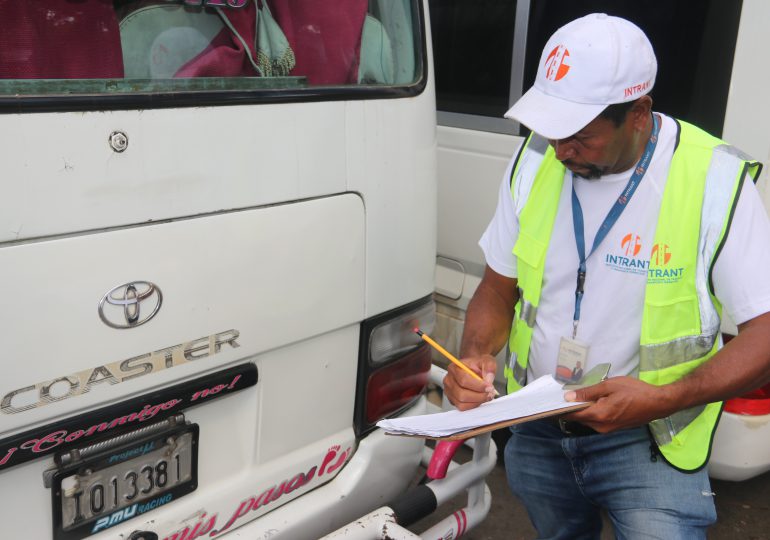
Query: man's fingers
{"x": 464, "y": 398}
{"x": 467, "y": 380}
{"x": 466, "y": 391}
{"x": 589, "y": 393}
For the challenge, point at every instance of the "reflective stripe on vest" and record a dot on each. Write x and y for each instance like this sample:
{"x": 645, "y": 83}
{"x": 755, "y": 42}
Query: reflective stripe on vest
{"x": 681, "y": 317}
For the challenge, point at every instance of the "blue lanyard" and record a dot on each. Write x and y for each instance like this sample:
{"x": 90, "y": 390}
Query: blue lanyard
{"x": 609, "y": 221}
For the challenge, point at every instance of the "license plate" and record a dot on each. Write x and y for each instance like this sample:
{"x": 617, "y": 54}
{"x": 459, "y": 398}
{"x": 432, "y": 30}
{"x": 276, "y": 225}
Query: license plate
{"x": 126, "y": 481}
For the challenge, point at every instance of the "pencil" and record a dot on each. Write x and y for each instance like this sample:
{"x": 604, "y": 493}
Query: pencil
{"x": 449, "y": 356}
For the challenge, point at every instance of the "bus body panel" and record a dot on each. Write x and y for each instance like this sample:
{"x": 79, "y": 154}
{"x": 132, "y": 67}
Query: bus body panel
{"x": 399, "y": 193}
{"x": 66, "y": 178}
{"x": 293, "y": 295}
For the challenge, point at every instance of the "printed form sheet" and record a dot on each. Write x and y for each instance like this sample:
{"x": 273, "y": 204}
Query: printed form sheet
{"x": 542, "y": 395}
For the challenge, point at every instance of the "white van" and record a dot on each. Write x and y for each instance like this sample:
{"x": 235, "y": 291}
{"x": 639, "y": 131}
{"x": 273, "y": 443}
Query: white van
{"x": 486, "y": 55}
{"x": 217, "y": 232}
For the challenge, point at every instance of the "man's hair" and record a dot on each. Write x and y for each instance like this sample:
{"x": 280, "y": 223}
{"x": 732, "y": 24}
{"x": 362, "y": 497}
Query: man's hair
{"x": 616, "y": 112}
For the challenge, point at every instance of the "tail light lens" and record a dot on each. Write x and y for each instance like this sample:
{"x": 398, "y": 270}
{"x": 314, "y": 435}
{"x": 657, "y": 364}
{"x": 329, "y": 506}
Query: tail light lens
{"x": 755, "y": 403}
{"x": 394, "y": 363}
{"x": 391, "y": 388}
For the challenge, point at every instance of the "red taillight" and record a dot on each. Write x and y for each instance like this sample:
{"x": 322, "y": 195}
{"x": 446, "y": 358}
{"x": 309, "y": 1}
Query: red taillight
{"x": 393, "y": 363}
{"x": 756, "y": 403}
{"x": 393, "y": 386}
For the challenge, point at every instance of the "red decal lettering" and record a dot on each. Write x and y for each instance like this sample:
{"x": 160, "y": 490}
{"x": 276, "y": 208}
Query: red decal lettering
{"x": 271, "y": 494}
{"x": 178, "y": 535}
{"x": 297, "y": 482}
{"x": 99, "y": 427}
{"x": 339, "y": 462}
{"x": 75, "y": 435}
{"x": 209, "y": 526}
{"x": 277, "y": 493}
{"x": 241, "y": 511}
{"x": 215, "y": 390}
{"x": 7, "y": 456}
{"x": 330, "y": 455}
{"x": 170, "y": 404}
{"x": 52, "y": 440}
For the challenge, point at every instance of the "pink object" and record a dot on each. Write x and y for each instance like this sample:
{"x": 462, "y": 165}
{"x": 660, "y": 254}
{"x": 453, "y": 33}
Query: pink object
{"x": 226, "y": 54}
{"x": 326, "y": 42}
{"x": 442, "y": 457}
{"x": 59, "y": 39}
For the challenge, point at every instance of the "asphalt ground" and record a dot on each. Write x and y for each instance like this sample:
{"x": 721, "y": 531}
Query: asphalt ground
{"x": 743, "y": 510}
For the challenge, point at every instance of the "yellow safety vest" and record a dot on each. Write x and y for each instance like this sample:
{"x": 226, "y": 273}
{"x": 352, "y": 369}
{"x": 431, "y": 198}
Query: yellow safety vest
{"x": 681, "y": 317}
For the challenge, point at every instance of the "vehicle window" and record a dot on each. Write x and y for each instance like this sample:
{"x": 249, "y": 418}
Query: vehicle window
{"x": 74, "y": 47}
{"x": 478, "y": 46}
{"x": 472, "y": 48}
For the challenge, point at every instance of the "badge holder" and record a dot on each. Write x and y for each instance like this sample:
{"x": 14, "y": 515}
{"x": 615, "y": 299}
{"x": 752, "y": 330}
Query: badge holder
{"x": 595, "y": 375}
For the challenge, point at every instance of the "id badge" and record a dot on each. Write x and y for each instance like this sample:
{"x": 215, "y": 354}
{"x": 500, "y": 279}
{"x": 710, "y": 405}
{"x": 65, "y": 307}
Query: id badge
{"x": 572, "y": 360}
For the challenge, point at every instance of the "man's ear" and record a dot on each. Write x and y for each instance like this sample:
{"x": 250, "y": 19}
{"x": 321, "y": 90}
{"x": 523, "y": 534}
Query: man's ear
{"x": 640, "y": 112}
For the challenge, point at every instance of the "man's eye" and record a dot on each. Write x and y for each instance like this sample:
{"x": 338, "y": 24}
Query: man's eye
{"x": 583, "y": 139}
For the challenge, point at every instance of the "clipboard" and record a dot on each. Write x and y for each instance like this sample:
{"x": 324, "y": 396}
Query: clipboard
{"x": 595, "y": 375}
{"x": 499, "y": 425}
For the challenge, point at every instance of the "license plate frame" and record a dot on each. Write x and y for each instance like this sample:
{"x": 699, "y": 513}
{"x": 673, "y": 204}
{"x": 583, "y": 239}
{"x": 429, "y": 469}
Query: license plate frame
{"x": 177, "y": 446}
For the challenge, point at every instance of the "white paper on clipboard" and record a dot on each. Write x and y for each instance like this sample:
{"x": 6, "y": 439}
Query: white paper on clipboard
{"x": 540, "y": 396}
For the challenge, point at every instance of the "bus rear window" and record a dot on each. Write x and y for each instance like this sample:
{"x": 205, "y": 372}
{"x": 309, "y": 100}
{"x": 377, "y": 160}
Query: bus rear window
{"x": 93, "y": 47}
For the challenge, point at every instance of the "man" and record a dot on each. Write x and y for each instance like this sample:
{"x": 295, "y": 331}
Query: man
{"x": 620, "y": 236}
{"x": 577, "y": 373}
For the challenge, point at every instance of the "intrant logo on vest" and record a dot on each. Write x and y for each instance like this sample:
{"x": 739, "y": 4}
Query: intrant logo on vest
{"x": 661, "y": 272}
{"x": 656, "y": 267}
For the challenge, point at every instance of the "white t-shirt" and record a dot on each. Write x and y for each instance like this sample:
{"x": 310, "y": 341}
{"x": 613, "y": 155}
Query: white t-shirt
{"x": 616, "y": 274}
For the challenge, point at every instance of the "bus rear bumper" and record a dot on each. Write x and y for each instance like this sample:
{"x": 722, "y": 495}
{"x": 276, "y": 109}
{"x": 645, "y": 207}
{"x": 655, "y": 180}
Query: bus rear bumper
{"x": 388, "y": 522}
{"x": 367, "y": 482}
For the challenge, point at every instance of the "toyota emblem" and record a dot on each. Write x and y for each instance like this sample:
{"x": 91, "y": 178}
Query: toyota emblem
{"x": 131, "y": 304}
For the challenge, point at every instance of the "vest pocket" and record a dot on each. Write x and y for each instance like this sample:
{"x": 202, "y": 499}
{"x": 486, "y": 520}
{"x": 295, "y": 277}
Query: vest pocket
{"x": 529, "y": 250}
{"x": 671, "y": 319}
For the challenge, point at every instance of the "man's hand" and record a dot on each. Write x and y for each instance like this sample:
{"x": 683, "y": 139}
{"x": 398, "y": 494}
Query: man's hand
{"x": 620, "y": 403}
{"x": 739, "y": 367}
{"x": 466, "y": 392}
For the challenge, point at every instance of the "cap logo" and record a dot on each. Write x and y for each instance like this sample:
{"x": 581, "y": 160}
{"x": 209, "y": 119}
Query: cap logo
{"x": 555, "y": 65}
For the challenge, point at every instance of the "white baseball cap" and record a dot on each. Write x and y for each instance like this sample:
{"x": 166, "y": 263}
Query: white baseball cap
{"x": 588, "y": 64}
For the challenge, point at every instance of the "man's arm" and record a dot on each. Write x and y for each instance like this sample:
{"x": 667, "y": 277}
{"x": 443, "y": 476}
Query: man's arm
{"x": 487, "y": 327}
{"x": 739, "y": 367}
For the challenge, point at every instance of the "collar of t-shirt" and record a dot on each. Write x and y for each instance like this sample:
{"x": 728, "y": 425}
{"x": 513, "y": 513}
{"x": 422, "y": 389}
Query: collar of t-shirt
{"x": 604, "y": 191}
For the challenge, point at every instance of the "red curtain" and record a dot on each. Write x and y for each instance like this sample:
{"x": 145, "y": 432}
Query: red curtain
{"x": 59, "y": 39}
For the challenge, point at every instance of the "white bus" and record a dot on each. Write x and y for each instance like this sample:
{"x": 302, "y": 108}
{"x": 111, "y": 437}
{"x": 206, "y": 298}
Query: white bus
{"x": 217, "y": 232}
{"x": 486, "y": 55}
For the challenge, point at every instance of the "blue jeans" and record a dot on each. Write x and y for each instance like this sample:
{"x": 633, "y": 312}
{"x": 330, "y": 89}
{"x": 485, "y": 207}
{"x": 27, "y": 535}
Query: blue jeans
{"x": 564, "y": 482}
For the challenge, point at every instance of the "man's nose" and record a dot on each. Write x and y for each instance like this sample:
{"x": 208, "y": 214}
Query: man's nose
{"x": 563, "y": 148}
